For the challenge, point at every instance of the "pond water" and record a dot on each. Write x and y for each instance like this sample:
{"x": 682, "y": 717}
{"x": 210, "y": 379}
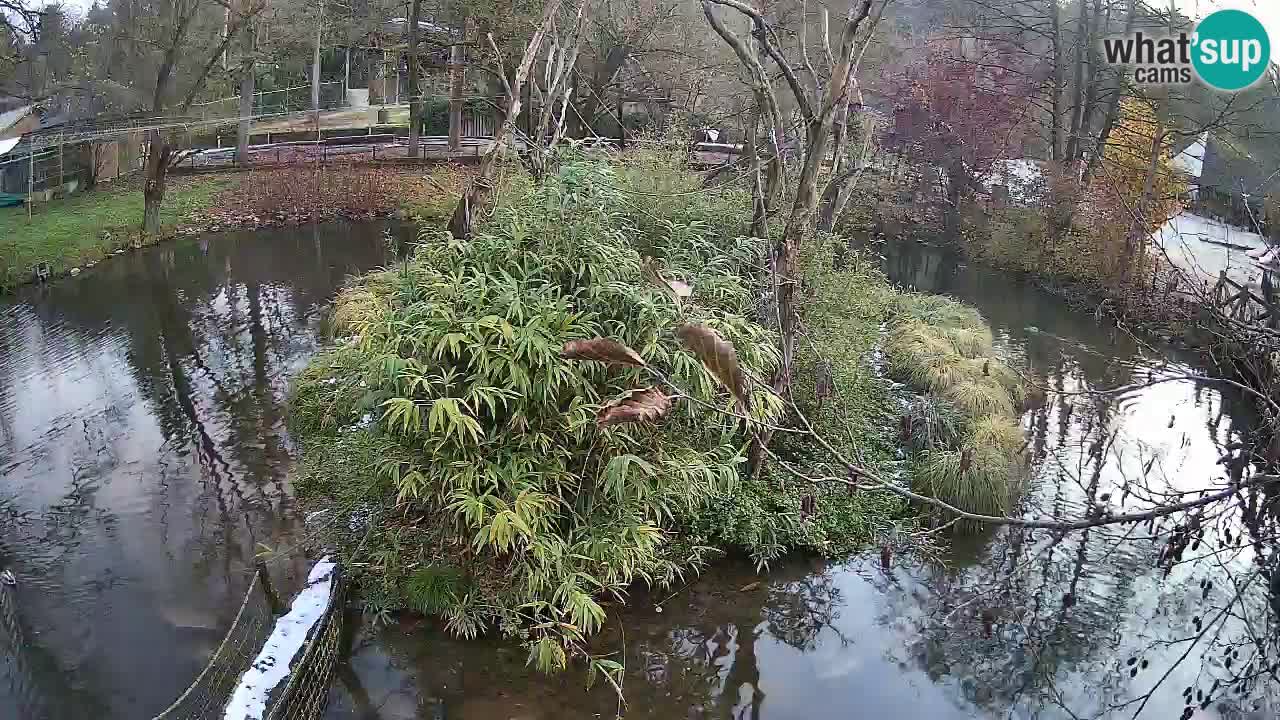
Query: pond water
{"x": 143, "y": 459}
{"x": 1014, "y": 625}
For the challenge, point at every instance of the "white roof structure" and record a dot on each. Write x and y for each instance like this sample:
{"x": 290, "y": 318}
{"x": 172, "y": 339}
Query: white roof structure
{"x": 426, "y": 26}
{"x": 1191, "y": 160}
{"x": 10, "y": 118}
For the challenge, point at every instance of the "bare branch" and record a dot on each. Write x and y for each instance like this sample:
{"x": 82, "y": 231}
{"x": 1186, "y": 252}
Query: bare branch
{"x": 768, "y": 39}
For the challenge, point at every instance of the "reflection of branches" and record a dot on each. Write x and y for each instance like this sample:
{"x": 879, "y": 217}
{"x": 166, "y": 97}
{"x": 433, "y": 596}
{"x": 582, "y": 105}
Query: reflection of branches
{"x": 797, "y": 612}
{"x": 1016, "y": 648}
{"x": 1191, "y": 645}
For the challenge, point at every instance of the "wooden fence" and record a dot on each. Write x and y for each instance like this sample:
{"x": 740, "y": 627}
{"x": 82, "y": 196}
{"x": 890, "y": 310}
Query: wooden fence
{"x": 1239, "y": 302}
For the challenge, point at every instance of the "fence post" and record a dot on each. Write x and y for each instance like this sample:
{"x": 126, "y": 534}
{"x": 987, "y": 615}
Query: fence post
{"x": 622, "y": 133}
{"x": 31, "y": 180}
{"x": 456, "y": 79}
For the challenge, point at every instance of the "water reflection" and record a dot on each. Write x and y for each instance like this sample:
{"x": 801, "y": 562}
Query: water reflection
{"x": 143, "y": 456}
{"x": 1015, "y": 624}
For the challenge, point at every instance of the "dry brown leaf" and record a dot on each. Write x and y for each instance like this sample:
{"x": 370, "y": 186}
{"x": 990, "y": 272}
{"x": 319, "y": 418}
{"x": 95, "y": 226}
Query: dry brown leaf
{"x": 681, "y": 289}
{"x": 639, "y": 405}
{"x": 750, "y": 586}
{"x": 676, "y": 289}
{"x": 603, "y": 350}
{"x": 718, "y": 356}
{"x": 825, "y": 385}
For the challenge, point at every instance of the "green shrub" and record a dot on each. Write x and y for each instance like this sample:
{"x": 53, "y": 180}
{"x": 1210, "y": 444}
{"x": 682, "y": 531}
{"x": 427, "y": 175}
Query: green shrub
{"x": 488, "y": 437}
{"x": 979, "y": 480}
{"x": 843, "y": 393}
{"x": 459, "y": 454}
{"x": 435, "y": 113}
{"x": 932, "y": 422}
{"x": 966, "y": 446}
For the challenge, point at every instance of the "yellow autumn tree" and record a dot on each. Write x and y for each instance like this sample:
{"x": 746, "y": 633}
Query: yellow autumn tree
{"x": 1127, "y": 161}
{"x": 1111, "y": 246}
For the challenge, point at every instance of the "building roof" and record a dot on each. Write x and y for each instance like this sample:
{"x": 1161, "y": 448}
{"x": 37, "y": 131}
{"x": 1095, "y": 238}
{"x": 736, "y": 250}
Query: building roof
{"x": 1191, "y": 159}
{"x": 10, "y": 118}
{"x": 1232, "y": 166}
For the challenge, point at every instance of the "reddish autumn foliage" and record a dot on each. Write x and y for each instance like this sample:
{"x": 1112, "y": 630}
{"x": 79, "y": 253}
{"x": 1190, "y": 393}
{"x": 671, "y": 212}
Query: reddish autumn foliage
{"x": 961, "y": 106}
{"x": 305, "y": 193}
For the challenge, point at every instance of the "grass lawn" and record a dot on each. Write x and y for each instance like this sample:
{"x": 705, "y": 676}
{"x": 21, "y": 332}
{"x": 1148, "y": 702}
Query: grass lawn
{"x": 85, "y": 228}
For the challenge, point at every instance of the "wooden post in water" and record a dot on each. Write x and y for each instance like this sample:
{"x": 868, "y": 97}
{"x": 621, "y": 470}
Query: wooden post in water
{"x": 264, "y": 578}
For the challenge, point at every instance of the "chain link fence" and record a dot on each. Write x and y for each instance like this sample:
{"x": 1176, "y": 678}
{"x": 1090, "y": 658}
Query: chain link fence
{"x": 246, "y": 651}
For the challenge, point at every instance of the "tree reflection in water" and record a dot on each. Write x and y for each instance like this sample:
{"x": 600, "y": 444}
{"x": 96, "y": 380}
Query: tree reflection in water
{"x": 1018, "y": 623}
{"x": 142, "y": 438}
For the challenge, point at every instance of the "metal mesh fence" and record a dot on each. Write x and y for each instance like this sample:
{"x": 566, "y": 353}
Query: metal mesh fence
{"x": 208, "y": 692}
{"x": 307, "y": 685}
{"x": 308, "y": 689}
{"x": 274, "y": 102}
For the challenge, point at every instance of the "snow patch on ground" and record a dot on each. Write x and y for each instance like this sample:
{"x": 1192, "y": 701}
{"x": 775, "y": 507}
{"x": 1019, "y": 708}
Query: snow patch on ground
{"x": 1023, "y": 177}
{"x": 1192, "y": 242}
{"x": 284, "y": 646}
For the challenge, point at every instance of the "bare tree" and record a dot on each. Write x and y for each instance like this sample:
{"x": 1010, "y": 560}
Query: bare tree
{"x": 415, "y": 95}
{"x": 178, "y": 23}
{"x": 478, "y": 199}
{"x": 248, "y": 61}
{"x": 817, "y": 108}
{"x": 19, "y": 24}
{"x": 552, "y": 88}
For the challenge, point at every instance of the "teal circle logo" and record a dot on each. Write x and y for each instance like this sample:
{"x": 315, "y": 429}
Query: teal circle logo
{"x": 1231, "y": 50}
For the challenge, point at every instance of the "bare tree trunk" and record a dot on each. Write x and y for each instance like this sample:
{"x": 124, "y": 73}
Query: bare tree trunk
{"x": 834, "y": 198}
{"x": 415, "y": 102}
{"x": 803, "y": 210}
{"x": 1077, "y": 89}
{"x": 155, "y": 176}
{"x": 457, "y": 68}
{"x": 1112, "y": 113}
{"x": 1055, "y": 99}
{"x": 759, "y": 201}
{"x": 246, "y": 96}
{"x": 836, "y": 195}
{"x": 818, "y": 121}
{"x": 1135, "y": 242}
{"x": 1095, "y": 77}
{"x": 553, "y": 94}
{"x": 156, "y": 171}
{"x": 957, "y": 184}
{"x": 315, "y": 69}
{"x": 479, "y": 198}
